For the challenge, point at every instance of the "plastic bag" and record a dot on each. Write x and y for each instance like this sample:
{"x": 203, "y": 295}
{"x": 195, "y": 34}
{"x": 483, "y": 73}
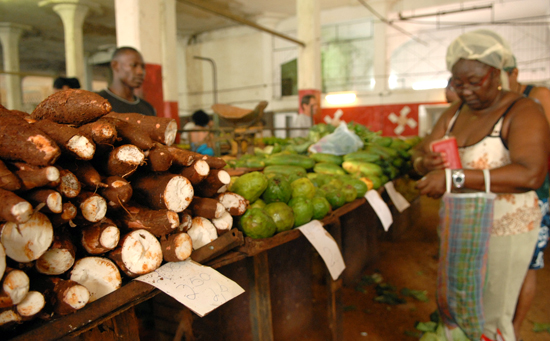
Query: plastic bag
{"x": 342, "y": 141}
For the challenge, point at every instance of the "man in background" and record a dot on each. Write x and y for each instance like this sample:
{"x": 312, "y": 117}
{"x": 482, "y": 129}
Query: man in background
{"x": 128, "y": 70}
{"x": 308, "y": 106}
{"x": 64, "y": 83}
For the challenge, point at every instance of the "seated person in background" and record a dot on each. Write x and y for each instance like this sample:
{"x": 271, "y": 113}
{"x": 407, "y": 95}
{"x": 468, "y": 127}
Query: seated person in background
{"x": 199, "y": 140}
{"x": 128, "y": 74}
{"x": 64, "y": 83}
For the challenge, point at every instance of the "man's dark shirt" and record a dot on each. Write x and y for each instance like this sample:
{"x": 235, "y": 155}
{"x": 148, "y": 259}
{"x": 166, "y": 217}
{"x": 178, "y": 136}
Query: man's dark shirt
{"x": 121, "y": 105}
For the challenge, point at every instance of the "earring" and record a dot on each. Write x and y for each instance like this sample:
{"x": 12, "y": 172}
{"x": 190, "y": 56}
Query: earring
{"x": 499, "y": 88}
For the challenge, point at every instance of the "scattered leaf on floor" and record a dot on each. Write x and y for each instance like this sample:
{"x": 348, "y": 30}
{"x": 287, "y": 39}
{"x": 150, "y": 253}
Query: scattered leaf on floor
{"x": 350, "y": 308}
{"x": 414, "y": 334}
{"x": 421, "y": 295}
{"x": 541, "y": 327}
{"x": 426, "y": 326}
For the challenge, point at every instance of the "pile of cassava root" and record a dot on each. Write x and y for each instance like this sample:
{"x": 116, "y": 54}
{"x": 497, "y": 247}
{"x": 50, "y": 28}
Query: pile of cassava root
{"x": 88, "y": 194}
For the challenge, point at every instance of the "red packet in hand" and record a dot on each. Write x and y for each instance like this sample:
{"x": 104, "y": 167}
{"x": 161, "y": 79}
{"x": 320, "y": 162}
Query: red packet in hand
{"x": 449, "y": 147}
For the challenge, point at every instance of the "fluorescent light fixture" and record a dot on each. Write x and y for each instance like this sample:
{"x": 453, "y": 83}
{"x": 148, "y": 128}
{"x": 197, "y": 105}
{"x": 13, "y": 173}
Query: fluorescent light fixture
{"x": 430, "y": 84}
{"x": 342, "y": 98}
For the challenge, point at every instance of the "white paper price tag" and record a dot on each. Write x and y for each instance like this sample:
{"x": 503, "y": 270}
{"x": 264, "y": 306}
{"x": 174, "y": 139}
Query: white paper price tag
{"x": 380, "y": 208}
{"x": 323, "y": 242}
{"x": 200, "y": 288}
{"x": 397, "y": 198}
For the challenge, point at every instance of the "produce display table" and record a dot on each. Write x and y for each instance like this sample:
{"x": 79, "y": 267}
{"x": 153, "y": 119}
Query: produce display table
{"x": 287, "y": 288}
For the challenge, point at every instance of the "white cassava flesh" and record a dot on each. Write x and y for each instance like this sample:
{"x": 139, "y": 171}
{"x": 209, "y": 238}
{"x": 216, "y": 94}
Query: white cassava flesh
{"x": 22, "y": 211}
{"x": 141, "y": 252}
{"x": 183, "y": 246}
{"x": 81, "y": 146}
{"x": 9, "y": 317}
{"x": 178, "y": 194}
{"x": 170, "y": 133}
{"x": 32, "y": 304}
{"x": 185, "y": 221}
{"x": 110, "y": 237}
{"x": 94, "y": 208}
{"x": 55, "y": 262}
{"x": 77, "y": 296}
{"x": 224, "y": 223}
{"x": 202, "y": 232}
{"x": 55, "y": 202}
{"x": 16, "y": 285}
{"x": 99, "y": 275}
{"x": 28, "y": 241}
{"x": 52, "y": 173}
{"x": 234, "y": 203}
{"x": 201, "y": 167}
{"x": 131, "y": 154}
{"x": 224, "y": 177}
{"x": 2, "y": 260}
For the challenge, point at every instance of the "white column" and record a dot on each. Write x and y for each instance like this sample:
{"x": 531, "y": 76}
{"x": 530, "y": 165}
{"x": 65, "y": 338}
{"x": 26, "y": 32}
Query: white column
{"x": 9, "y": 36}
{"x": 309, "y": 57}
{"x": 138, "y": 25}
{"x": 73, "y": 13}
{"x": 168, "y": 44}
{"x": 380, "y": 63}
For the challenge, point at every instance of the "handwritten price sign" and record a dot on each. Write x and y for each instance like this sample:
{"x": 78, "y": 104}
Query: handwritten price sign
{"x": 200, "y": 288}
{"x": 323, "y": 242}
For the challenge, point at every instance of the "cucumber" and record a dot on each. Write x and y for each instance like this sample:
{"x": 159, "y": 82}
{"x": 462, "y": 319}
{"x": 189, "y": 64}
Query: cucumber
{"x": 362, "y": 156}
{"x": 328, "y": 168}
{"x": 363, "y": 168}
{"x": 323, "y": 157}
{"x": 291, "y": 160}
{"x": 285, "y": 170}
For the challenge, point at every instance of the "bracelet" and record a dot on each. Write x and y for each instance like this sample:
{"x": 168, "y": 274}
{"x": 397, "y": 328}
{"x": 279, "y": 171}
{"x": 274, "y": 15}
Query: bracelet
{"x": 416, "y": 164}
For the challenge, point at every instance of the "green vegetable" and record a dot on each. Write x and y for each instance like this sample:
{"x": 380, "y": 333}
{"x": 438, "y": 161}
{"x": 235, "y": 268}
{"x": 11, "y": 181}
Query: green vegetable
{"x": 256, "y": 223}
{"x": 302, "y": 187}
{"x": 250, "y": 185}
{"x": 321, "y": 207}
{"x": 303, "y": 210}
{"x": 360, "y": 187}
{"x": 322, "y": 157}
{"x": 349, "y": 193}
{"x": 282, "y": 215}
{"x": 258, "y": 204}
{"x": 363, "y": 168}
{"x": 278, "y": 189}
{"x": 286, "y": 170}
{"x": 328, "y": 168}
{"x": 362, "y": 156}
{"x": 290, "y": 159}
{"x": 335, "y": 198}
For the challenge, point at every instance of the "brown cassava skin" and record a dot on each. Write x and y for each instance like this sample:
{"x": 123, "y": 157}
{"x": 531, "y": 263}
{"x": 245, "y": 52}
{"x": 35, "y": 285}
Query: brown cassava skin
{"x": 154, "y": 126}
{"x": 118, "y": 191}
{"x": 170, "y": 244}
{"x": 67, "y": 214}
{"x": 102, "y": 132}
{"x": 60, "y": 306}
{"x": 192, "y": 174}
{"x": 91, "y": 202}
{"x": 68, "y": 184}
{"x": 158, "y": 222}
{"x": 24, "y": 115}
{"x": 9, "y": 200}
{"x": 115, "y": 166}
{"x": 235, "y": 210}
{"x": 130, "y": 133}
{"x": 159, "y": 158}
{"x": 23, "y": 142}
{"x": 91, "y": 236}
{"x": 8, "y": 180}
{"x": 33, "y": 176}
{"x": 73, "y": 106}
{"x": 84, "y": 172}
{"x": 149, "y": 189}
{"x": 182, "y": 157}
{"x": 62, "y": 134}
{"x": 41, "y": 195}
{"x": 209, "y": 187}
{"x": 61, "y": 241}
{"x": 204, "y": 207}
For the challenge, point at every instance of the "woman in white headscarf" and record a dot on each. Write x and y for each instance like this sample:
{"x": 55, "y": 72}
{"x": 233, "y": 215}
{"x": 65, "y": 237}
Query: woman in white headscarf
{"x": 502, "y": 131}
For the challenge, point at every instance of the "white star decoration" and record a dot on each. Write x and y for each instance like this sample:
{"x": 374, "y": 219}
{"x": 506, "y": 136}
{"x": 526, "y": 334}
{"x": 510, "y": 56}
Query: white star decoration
{"x": 402, "y": 120}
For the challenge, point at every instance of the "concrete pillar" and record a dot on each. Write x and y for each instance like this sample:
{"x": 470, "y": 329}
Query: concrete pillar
{"x": 9, "y": 36}
{"x": 381, "y": 63}
{"x": 73, "y": 13}
{"x": 169, "y": 39}
{"x": 309, "y": 57}
{"x": 138, "y": 24}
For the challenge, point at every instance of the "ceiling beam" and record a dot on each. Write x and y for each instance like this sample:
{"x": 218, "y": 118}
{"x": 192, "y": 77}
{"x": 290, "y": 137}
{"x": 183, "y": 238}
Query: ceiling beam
{"x": 206, "y": 6}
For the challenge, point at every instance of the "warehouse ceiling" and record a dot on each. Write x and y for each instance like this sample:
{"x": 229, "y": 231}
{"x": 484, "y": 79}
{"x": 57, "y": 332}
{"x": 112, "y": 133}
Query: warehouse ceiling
{"x": 42, "y": 47}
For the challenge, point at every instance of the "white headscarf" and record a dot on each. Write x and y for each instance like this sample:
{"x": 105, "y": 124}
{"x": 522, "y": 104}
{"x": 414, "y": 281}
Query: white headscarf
{"x": 485, "y": 46}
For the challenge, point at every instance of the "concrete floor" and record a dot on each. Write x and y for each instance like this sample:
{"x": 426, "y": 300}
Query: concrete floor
{"x": 409, "y": 260}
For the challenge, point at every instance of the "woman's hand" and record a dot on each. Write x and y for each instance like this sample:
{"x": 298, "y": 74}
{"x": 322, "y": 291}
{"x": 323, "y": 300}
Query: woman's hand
{"x": 432, "y": 184}
{"x": 433, "y": 161}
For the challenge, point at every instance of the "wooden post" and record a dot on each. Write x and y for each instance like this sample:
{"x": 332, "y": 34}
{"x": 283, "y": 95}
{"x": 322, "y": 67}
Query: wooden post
{"x": 260, "y": 298}
{"x": 334, "y": 304}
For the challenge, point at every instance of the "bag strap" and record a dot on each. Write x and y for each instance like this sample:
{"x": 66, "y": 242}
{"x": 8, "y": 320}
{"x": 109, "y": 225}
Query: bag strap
{"x": 486, "y": 177}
